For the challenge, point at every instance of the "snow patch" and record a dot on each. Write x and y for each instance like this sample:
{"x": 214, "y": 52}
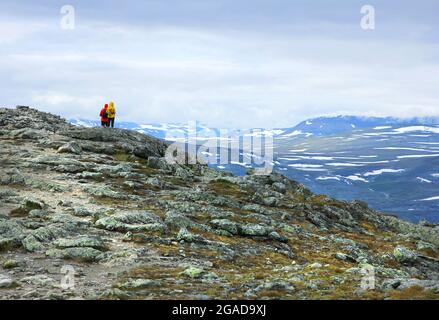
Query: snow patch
{"x": 417, "y": 128}
{"x": 304, "y": 165}
{"x": 430, "y": 199}
{"x": 356, "y": 178}
{"x": 328, "y": 178}
{"x": 423, "y": 180}
{"x": 417, "y": 156}
{"x": 343, "y": 164}
{"x": 381, "y": 171}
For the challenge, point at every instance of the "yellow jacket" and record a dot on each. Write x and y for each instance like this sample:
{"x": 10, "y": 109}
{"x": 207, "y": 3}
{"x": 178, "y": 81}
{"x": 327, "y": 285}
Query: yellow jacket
{"x": 111, "y": 110}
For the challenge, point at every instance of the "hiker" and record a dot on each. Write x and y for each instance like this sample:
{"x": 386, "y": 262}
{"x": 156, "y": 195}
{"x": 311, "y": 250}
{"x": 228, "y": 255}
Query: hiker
{"x": 104, "y": 116}
{"x": 111, "y": 114}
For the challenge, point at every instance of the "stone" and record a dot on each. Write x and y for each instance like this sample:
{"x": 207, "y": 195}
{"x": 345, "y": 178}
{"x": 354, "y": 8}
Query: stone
{"x": 81, "y": 241}
{"x": 255, "y": 230}
{"x": 70, "y": 147}
{"x": 139, "y": 284}
{"x": 178, "y": 220}
{"x": 158, "y": 163}
{"x": 77, "y": 253}
{"x": 132, "y": 221}
{"x": 226, "y": 225}
{"x": 82, "y": 212}
{"x": 315, "y": 265}
{"x": 103, "y": 191}
{"x": 422, "y": 245}
{"x": 404, "y": 255}
{"x": 37, "y": 213}
{"x": 26, "y": 206}
{"x": 279, "y": 187}
{"x": 11, "y": 264}
{"x": 31, "y": 244}
{"x": 6, "y": 282}
{"x": 183, "y": 173}
{"x": 185, "y": 235}
{"x": 11, "y": 234}
{"x": 275, "y": 285}
{"x": 344, "y": 257}
{"x": 401, "y": 283}
{"x": 276, "y": 236}
{"x": 42, "y": 281}
{"x": 193, "y": 272}
{"x": 271, "y": 201}
{"x": 12, "y": 176}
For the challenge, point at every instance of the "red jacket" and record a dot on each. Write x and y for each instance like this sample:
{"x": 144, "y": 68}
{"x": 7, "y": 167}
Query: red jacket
{"x": 104, "y": 119}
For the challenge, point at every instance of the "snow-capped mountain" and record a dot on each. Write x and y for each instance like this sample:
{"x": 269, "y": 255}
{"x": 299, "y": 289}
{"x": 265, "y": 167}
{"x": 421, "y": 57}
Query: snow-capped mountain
{"x": 331, "y": 125}
{"x": 182, "y": 132}
{"x": 171, "y": 131}
{"x": 321, "y": 126}
{"x": 393, "y": 167}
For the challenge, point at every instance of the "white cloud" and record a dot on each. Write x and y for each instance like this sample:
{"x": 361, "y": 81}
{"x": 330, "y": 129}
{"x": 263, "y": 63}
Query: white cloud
{"x": 13, "y": 31}
{"x": 222, "y": 77}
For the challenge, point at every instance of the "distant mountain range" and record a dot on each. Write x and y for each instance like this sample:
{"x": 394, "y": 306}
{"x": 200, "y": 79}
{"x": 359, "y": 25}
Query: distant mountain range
{"x": 321, "y": 126}
{"x": 392, "y": 164}
{"x": 330, "y": 125}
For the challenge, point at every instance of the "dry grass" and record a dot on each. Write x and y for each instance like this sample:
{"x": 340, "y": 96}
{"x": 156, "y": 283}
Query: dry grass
{"x": 413, "y": 293}
{"x": 227, "y": 188}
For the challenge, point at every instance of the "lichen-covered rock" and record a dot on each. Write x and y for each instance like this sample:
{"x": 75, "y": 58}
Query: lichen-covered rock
{"x": 226, "y": 225}
{"x": 11, "y": 264}
{"x": 178, "y": 220}
{"x": 405, "y": 255}
{"x": 31, "y": 244}
{"x": 70, "y": 147}
{"x": 401, "y": 283}
{"x": 12, "y": 176}
{"x": 11, "y": 234}
{"x": 129, "y": 225}
{"x": 131, "y": 221}
{"x": 185, "y": 235}
{"x": 103, "y": 191}
{"x": 255, "y": 230}
{"x": 26, "y": 206}
{"x": 39, "y": 280}
{"x": 276, "y": 285}
{"x": 158, "y": 163}
{"x": 139, "y": 284}
{"x": 193, "y": 272}
{"x": 6, "y": 282}
{"x": 81, "y": 241}
{"x": 84, "y": 254}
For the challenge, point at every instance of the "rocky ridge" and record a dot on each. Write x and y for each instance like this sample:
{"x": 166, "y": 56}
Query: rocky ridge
{"x": 104, "y": 204}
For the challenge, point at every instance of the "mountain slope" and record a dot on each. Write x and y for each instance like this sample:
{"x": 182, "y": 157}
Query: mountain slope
{"x": 323, "y": 126}
{"x": 105, "y": 202}
{"x": 393, "y": 168}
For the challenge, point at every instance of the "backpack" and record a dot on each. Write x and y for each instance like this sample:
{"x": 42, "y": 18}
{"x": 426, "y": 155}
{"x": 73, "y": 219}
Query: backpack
{"x": 105, "y": 114}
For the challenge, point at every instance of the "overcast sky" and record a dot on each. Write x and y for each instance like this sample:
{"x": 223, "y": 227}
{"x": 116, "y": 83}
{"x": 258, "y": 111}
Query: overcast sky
{"x": 226, "y": 63}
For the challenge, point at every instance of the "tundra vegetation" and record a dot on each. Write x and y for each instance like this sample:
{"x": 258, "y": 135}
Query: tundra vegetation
{"x": 105, "y": 202}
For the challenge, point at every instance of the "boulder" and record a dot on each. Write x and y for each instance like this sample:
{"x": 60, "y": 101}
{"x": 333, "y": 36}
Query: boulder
{"x": 225, "y": 224}
{"x": 404, "y": 255}
{"x": 81, "y": 241}
{"x": 84, "y": 254}
{"x": 193, "y": 272}
{"x": 70, "y": 147}
{"x": 6, "y": 282}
